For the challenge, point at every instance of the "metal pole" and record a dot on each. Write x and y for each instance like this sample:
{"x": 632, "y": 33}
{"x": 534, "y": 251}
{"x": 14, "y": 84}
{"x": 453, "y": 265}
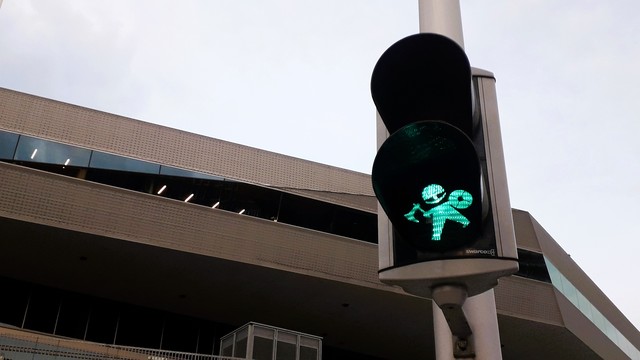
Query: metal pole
{"x": 442, "y": 335}
{"x": 444, "y": 17}
{"x": 483, "y": 320}
{"x": 441, "y": 17}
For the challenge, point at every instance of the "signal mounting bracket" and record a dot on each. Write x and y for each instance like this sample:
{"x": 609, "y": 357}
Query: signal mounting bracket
{"x": 450, "y": 299}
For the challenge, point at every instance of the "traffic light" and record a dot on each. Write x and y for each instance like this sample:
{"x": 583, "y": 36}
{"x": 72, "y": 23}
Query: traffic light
{"x": 439, "y": 175}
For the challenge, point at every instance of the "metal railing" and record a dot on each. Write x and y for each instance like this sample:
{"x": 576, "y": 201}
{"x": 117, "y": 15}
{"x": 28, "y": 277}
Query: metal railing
{"x": 17, "y": 344}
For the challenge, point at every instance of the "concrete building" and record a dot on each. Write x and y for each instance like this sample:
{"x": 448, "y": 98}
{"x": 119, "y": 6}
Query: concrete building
{"x": 118, "y": 231}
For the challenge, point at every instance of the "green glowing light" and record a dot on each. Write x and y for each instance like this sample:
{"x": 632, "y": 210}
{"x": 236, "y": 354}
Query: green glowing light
{"x": 438, "y": 215}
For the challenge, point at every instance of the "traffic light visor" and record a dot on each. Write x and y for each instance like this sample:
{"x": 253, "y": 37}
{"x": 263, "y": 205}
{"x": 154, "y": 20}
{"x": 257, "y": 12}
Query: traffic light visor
{"x": 423, "y": 77}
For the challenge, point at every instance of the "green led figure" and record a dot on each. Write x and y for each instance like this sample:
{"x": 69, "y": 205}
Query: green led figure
{"x": 434, "y": 194}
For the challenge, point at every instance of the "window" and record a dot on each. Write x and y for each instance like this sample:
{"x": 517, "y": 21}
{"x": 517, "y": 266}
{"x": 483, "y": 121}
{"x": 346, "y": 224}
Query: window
{"x": 240, "y": 349}
{"x": 263, "y": 343}
{"x": 8, "y": 142}
{"x": 180, "y": 333}
{"x": 42, "y": 311}
{"x": 173, "y": 171}
{"x": 309, "y": 349}
{"x": 532, "y": 266}
{"x": 286, "y": 348}
{"x": 73, "y": 317}
{"x": 100, "y": 160}
{"x": 14, "y": 301}
{"x": 103, "y": 321}
{"x": 43, "y": 151}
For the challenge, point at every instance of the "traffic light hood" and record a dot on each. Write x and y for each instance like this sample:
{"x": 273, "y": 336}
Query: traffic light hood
{"x": 423, "y": 77}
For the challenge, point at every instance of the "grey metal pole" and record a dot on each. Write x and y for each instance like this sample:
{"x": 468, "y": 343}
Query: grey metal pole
{"x": 441, "y": 17}
{"x": 483, "y": 320}
{"x": 442, "y": 335}
{"x": 444, "y": 17}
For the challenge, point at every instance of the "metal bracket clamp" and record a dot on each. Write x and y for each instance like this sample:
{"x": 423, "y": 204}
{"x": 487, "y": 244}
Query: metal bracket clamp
{"x": 450, "y": 299}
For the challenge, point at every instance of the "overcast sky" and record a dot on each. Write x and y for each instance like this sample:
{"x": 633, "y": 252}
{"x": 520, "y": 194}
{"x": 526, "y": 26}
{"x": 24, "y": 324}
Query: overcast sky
{"x": 292, "y": 76}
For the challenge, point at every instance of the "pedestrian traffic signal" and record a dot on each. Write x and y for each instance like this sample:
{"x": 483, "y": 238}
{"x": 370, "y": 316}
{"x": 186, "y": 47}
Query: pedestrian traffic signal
{"x": 434, "y": 174}
{"x": 427, "y": 179}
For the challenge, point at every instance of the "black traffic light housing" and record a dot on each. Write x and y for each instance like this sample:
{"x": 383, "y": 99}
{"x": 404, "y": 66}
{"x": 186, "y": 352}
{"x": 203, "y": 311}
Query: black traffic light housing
{"x": 439, "y": 176}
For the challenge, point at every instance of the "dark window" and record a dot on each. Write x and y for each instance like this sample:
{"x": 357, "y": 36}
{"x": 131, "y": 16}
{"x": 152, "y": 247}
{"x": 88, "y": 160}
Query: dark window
{"x": 42, "y": 311}
{"x": 286, "y": 346}
{"x": 206, "y": 338}
{"x": 78, "y": 314}
{"x": 226, "y": 348}
{"x": 140, "y": 327}
{"x": 308, "y": 353}
{"x": 355, "y": 224}
{"x": 74, "y": 316}
{"x": 43, "y": 151}
{"x": 205, "y": 192}
{"x": 262, "y": 348}
{"x": 14, "y": 299}
{"x": 240, "y": 348}
{"x": 8, "y": 142}
{"x": 309, "y": 348}
{"x": 254, "y": 200}
{"x": 180, "y": 334}
{"x": 103, "y": 320}
{"x": 532, "y": 266}
{"x": 100, "y": 160}
{"x": 330, "y": 218}
{"x": 173, "y": 171}
{"x": 126, "y": 180}
{"x": 304, "y": 212}
{"x": 263, "y": 341}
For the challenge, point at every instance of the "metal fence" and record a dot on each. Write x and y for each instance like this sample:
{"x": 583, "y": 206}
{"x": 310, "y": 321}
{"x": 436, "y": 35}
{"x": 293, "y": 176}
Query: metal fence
{"x": 16, "y": 344}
